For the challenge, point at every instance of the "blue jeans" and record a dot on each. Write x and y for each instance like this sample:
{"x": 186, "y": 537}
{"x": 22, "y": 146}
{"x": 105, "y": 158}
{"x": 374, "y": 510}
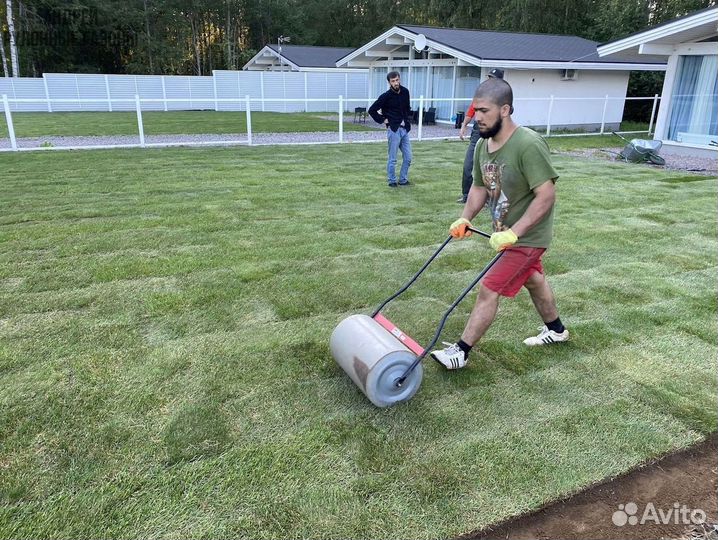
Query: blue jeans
{"x": 398, "y": 139}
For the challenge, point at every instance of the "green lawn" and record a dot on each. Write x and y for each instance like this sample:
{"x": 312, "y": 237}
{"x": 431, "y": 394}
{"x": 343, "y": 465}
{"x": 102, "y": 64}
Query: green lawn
{"x": 164, "y": 326}
{"x": 173, "y": 122}
{"x": 636, "y": 128}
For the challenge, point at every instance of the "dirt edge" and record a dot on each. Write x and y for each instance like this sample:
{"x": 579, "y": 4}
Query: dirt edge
{"x": 687, "y": 477}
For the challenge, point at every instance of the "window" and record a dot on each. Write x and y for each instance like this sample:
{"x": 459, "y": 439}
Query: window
{"x": 378, "y": 81}
{"x": 467, "y": 79}
{"x": 418, "y": 85}
{"x": 693, "y": 116}
{"x": 441, "y": 83}
{"x": 569, "y": 74}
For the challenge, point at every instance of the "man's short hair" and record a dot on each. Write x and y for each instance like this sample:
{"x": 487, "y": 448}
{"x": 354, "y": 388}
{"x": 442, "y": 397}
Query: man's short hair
{"x": 392, "y": 75}
{"x": 497, "y": 91}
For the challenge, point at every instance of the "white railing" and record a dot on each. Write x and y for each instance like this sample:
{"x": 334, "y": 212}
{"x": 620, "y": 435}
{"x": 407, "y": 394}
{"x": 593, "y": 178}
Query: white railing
{"x": 341, "y": 102}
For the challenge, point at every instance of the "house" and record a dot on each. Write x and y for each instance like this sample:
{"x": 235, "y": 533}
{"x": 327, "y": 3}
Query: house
{"x": 296, "y": 58}
{"x": 687, "y": 121}
{"x": 296, "y": 77}
{"x": 556, "y": 79}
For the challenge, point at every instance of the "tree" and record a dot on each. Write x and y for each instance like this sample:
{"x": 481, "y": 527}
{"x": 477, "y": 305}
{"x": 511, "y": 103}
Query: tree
{"x": 4, "y": 58}
{"x": 5, "y": 71}
{"x": 197, "y": 36}
{"x": 149, "y": 36}
{"x": 665, "y": 10}
{"x": 13, "y": 45}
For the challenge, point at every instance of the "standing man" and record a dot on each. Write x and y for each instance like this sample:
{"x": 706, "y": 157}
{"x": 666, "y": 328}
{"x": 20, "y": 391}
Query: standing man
{"x": 514, "y": 178}
{"x": 392, "y": 109}
{"x": 467, "y": 177}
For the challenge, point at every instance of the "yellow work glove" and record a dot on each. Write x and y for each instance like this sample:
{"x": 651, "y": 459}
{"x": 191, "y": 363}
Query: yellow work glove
{"x": 460, "y": 228}
{"x": 501, "y": 240}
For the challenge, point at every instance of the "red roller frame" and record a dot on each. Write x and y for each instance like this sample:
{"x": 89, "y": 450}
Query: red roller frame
{"x": 395, "y": 331}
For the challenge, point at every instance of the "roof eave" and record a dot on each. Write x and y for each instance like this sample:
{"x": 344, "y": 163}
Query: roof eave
{"x": 333, "y": 69}
{"x": 663, "y": 31}
{"x": 492, "y": 62}
{"x": 595, "y": 66}
{"x": 361, "y": 50}
{"x": 396, "y": 30}
{"x": 267, "y": 48}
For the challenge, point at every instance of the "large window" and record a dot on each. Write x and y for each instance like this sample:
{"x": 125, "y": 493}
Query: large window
{"x": 441, "y": 84}
{"x": 403, "y": 76}
{"x": 694, "y": 103}
{"x": 467, "y": 79}
{"x": 418, "y": 85}
{"x": 379, "y": 83}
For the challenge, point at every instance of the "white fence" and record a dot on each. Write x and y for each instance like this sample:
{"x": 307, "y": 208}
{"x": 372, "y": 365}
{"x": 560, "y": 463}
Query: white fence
{"x": 273, "y": 91}
{"x": 315, "y": 91}
{"x": 249, "y": 104}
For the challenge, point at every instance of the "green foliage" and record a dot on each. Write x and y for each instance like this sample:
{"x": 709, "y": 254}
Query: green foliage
{"x": 197, "y": 36}
{"x": 611, "y": 19}
{"x": 642, "y": 84}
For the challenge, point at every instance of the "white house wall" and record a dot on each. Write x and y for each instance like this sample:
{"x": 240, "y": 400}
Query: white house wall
{"x": 690, "y": 35}
{"x": 533, "y": 89}
{"x": 669, "y": 82}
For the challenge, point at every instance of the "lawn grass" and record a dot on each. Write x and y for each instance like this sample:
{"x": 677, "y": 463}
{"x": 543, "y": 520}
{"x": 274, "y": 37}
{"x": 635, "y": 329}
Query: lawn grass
{"x": 625, "y": 126}
{"x": 569, "y": 144}
{"x": 164, "y": 326}
{"x": 631, "y": 125}
{"x": 36, "y": 124}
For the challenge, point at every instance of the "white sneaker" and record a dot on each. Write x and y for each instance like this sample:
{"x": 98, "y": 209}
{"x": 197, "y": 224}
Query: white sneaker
{"x": 451, "y": 358}
{"x": 546, "y": 337}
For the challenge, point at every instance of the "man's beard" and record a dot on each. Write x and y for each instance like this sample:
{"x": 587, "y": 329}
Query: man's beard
{"x": 491, "y": 131}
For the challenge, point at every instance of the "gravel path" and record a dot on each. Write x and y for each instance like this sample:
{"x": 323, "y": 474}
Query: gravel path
{"x": 706, "y": 166}
{"x": 378, "y": 134}
{"x": 674, "y": 162}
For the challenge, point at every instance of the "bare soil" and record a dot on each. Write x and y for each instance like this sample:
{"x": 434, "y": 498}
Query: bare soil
{"x": 687, "y": 479}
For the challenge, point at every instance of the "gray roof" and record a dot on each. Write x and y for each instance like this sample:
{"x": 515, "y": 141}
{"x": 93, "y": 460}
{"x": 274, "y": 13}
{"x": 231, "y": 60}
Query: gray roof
{"x": 309, "y": 56}
{"x": 518, "y": 46}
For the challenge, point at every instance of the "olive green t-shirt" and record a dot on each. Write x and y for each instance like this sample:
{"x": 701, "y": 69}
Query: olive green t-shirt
{"x": 509, "y": 175}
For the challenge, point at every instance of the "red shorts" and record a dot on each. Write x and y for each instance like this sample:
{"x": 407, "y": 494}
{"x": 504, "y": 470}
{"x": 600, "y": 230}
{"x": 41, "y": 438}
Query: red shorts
{"x": 513, "y": 269}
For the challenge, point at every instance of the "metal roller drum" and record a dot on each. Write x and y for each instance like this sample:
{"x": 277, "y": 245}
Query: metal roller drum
{"x": 383, "y": 361}
{"x": 374, "y": 359}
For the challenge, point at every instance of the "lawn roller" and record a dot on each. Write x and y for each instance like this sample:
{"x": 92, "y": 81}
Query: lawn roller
{"x": 383, "y": 361}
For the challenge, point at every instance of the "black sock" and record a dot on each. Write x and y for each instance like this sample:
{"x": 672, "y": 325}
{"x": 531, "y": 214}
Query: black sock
{"x": 556, "y": 326}
{"x": 464, "y": 347}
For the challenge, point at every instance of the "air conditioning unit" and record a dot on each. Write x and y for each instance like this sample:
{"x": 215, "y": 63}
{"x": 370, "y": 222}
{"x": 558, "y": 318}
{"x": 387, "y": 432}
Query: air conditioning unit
{"x": 569, "y": 74}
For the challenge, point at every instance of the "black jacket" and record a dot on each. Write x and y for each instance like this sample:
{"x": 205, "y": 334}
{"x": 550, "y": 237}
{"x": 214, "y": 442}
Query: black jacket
{"x": 394, "y": 107}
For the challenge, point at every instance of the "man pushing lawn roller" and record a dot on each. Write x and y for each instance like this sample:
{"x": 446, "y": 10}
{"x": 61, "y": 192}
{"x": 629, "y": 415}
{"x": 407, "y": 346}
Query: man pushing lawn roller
{"x": 514, "y": 178}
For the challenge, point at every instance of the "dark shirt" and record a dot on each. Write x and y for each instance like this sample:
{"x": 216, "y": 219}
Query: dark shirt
{"x": 394, "y": 107}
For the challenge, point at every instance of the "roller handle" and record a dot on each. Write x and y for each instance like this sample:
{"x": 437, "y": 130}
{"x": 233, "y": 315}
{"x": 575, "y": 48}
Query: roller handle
{"x": 466, "y": 291}
{"x": 421, "y": 270}
{"x": 480, "y": 233}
